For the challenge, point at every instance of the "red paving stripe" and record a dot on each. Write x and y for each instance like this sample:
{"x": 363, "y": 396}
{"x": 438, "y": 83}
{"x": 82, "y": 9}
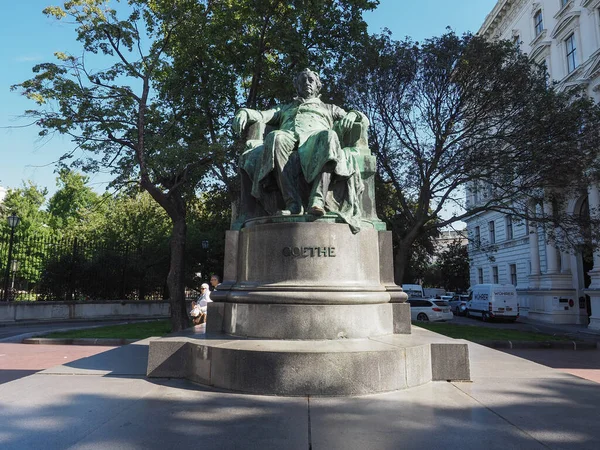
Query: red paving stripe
{"x": 39, "y": 357}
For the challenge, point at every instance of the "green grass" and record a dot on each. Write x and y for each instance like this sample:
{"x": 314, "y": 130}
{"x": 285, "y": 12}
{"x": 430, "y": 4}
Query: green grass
{"x": 140, "y": 330}
{"x": 477, "y": 334}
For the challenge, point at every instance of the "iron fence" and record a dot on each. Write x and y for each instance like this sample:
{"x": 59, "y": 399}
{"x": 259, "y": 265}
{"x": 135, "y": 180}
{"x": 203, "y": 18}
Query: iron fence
{"x": 50, "y": 268}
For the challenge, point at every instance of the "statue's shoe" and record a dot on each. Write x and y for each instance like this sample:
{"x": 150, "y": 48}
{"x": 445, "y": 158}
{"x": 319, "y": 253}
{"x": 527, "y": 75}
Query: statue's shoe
{"x": 293, "y": 209}
{"x": 316, "y": 211}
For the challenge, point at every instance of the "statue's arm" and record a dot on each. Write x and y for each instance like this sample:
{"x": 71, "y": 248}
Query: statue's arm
{"x": 246, "y": 116}
{"x": 347, "y": 119}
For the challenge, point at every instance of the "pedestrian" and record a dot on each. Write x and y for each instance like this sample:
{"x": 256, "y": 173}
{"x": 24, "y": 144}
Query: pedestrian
{"x": 214, "y": 282}
{"x": 202, "y": 303}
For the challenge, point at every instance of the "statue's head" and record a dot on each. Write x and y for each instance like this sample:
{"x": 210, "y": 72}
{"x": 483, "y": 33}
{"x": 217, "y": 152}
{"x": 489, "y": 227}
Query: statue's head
{"x": 307, "y": 84}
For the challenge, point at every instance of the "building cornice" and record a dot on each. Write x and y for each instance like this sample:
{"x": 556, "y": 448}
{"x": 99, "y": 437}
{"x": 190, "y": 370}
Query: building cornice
{"x": 501, "y": 16}
{"x": 590, "y": 4}
{"x": 565, "y": 22}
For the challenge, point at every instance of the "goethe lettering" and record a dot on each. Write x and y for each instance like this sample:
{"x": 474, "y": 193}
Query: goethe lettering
{"x": 306, "y": 252}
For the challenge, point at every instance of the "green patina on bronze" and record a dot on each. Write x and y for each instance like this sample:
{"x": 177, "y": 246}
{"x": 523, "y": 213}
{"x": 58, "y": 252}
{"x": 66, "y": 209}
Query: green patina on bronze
{"x": 310, "y": 162}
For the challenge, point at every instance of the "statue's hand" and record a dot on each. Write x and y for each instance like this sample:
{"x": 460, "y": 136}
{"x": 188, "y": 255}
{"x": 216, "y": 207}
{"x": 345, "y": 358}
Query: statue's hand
{"x": 347, "y": 121}
{"x": 240, "y": 121}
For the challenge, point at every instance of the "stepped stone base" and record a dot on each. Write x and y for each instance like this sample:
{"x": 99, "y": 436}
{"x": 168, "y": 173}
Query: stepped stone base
{"x": 308, "y": 309}
{"x": 282, "y": 321}
{"x": 316, "y": 367}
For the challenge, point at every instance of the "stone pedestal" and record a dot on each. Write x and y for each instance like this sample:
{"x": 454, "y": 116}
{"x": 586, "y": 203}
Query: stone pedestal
{"x": 307, "y": 308}
{"x": 316, "y": 263}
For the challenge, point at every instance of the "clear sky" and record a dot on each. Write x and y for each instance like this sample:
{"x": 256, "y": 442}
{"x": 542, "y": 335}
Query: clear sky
{"x": 29, "y": 38}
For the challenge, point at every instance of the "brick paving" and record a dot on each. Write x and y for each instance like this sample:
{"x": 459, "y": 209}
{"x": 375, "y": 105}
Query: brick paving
{"x": 19, "y": 360}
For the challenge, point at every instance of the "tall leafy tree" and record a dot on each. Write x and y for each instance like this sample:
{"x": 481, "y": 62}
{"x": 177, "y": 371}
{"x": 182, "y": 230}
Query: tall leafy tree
{"x": 453, "y": 264}
{"x": 28, "y": 203}
{"x": 74, "y": 207}
{"x": 175, "y": 71}
{"x": 456, "y": 113}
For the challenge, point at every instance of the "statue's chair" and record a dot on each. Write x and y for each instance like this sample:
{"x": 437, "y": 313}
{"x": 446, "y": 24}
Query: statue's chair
{"x": 356, "y": 141}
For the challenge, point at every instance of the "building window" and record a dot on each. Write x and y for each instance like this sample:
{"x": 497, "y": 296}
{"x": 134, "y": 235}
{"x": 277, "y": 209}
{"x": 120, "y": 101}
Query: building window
{"x": 509, "y": 228}
{"x": 513, "y": 274}
{"x": 492, "y": 229}
{"x": 538, "y": 22}
{"x": 517, "y": 41}
{"x": 571, "y": 53}
{"x": 477, "y": 236}
{"x": 495, "y": 274}
{"x": 480, "y": 275}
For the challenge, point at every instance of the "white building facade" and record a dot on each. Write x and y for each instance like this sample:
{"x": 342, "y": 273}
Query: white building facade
{"x": 554, "y": 285}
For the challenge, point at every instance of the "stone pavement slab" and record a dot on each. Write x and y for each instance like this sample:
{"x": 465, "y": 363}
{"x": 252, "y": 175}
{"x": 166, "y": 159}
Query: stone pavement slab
{"x": 129, "y": 359}
{"x": 104, "y": 403}
{"x": 90, "y": 412}
{"x": 434, "y": 416}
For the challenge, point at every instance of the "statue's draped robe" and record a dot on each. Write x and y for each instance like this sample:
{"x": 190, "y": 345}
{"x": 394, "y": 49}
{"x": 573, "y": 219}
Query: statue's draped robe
{"x": 305, "y": 121}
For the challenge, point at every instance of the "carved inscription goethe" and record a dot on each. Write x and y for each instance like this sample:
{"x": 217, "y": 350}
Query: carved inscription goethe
{"x": 309, "y": 252}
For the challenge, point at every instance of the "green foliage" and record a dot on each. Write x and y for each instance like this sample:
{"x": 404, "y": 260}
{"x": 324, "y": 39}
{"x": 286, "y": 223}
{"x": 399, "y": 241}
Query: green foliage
{"x": 175, "y": 71}
{"x": 74, "y": 207}
{"x": 26, "y": 202}
{"x": 453, "y": 264}
{"x": 457, "y": 112}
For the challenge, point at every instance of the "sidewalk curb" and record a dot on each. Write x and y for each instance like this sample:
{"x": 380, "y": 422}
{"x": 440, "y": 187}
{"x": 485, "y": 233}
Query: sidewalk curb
{"x": 557, "y": 345}
{"x": 79, "y": 341}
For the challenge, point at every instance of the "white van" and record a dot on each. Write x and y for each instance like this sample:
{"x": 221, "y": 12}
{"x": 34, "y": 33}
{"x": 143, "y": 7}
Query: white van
{"x": 493, "y": 301}
{"x": 413, "y": 290}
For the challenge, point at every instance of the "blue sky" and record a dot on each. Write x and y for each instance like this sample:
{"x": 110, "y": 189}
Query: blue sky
{"x": 30, "y": 38}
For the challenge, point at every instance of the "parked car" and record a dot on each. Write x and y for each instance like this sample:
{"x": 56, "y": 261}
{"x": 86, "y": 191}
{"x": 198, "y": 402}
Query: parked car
{"x": 493, "y": 301}
{"x": 413, "y": 290}
{"x": 429, "y": 310}
{"x": 458, "y": 304}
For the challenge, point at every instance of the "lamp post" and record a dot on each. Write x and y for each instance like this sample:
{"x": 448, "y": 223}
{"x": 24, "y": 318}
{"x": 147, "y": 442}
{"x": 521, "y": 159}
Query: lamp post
{"x": 13, "y": 221}
{"x": 14, "y": 267}
{"x": 205, "y": 248}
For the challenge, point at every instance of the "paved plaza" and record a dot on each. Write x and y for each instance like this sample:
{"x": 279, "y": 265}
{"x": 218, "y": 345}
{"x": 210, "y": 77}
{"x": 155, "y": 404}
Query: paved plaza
{"x": 105, "y": 401}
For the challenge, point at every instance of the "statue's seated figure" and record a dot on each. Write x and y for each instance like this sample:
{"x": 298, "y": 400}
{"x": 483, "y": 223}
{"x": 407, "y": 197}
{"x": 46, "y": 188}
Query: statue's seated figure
{"x": 310, "y": 160}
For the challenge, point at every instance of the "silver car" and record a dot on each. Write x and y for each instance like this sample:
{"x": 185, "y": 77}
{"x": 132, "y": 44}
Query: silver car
{"x": 458, "y": 304}
{"x": 429, "y": 310}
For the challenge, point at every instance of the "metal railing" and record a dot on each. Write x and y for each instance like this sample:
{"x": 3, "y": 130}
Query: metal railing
{"x": 46, "y": 268}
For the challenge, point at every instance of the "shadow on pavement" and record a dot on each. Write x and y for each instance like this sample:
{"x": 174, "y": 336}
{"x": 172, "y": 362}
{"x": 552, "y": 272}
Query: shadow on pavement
{"x": 127, "y": 360}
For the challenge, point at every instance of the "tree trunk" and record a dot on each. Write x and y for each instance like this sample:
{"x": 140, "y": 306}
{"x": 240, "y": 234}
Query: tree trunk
{"x": 176, "y": 277}
{"x": 400, "y": 261}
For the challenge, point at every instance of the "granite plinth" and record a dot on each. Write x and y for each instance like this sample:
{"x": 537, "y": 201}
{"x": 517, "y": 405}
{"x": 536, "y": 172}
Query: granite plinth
{"x": 311, "y": 367}
{"x": 305, "y": 263}
{"x": 284, "y": 321}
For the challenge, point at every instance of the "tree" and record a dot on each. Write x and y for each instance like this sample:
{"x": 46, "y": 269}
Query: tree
{"x": 229, "y": 54}
{"x": 28, "y": 203}
{"x": 118, "y": 117}
{"x": 176, "y": 71}
{"x": 74, "y": 207}
{"x": 458, "y": 113}
{"x": 454, "y": 267}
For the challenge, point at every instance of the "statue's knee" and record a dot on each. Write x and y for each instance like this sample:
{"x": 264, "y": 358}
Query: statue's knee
{"x": 328, "y": 136}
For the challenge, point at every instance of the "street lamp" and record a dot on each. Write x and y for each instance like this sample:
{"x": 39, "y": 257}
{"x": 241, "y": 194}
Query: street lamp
{"x": 205, "y": 248}
{"x": 13, "y": 221}
{"x": 14, "y": 268}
